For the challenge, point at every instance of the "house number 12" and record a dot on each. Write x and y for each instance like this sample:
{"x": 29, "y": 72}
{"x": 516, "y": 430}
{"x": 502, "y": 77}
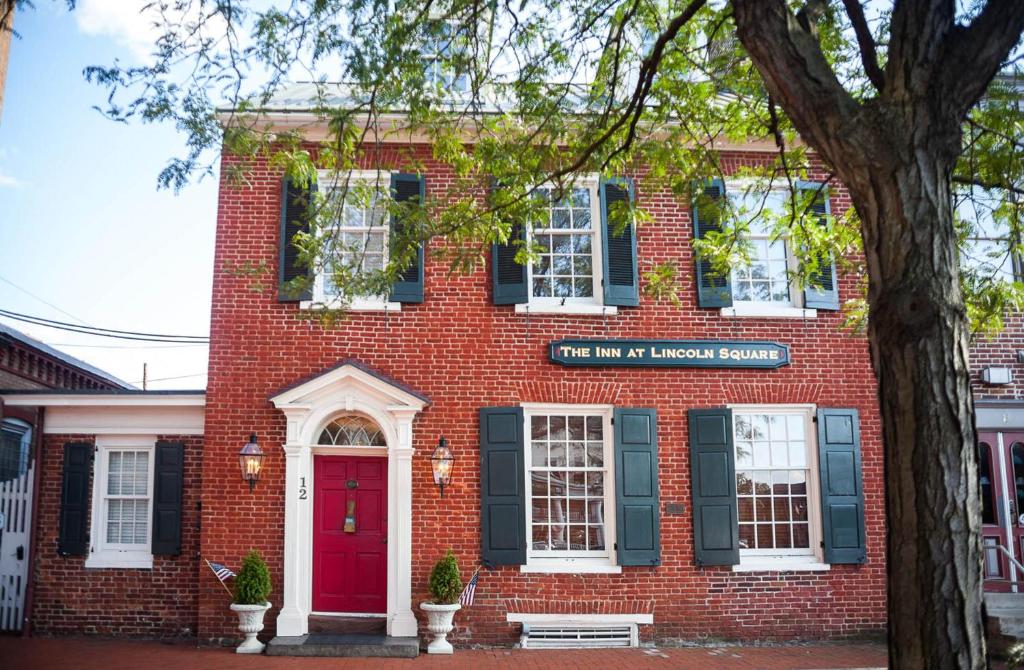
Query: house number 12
{"x": 302, "y": 488}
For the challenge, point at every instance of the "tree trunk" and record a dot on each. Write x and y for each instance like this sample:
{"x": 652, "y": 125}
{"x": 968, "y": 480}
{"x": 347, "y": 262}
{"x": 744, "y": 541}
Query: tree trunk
{"x": 918, "y": 332}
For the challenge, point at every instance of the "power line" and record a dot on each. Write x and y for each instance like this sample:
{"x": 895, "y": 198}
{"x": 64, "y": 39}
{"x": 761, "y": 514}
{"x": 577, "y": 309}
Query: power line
{"x": 167, "y": 379}
{"x": 128, "y": 346}
{"x": 49, "y": 304}
{"x": 105, "y": 332}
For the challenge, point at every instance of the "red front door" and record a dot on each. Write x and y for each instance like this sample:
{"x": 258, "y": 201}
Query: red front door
{"x": 350, "y": 564}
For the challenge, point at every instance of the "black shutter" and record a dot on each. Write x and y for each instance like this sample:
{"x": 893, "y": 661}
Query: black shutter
{"x": 716, "y": 531}
{"x": 168, "y": 484}
{"x": 510, "y": 281}
{"x": 842, "y": 493}
{"x": 823, "y": 292}
{"x": 74, "y": 500}
{"x": 296, "y": 203}
{"x": 408, "y": 286}
{"x": 502, "y": 486}
{"x": 621, "y": 285}
{"x": 638, "y": 523}
{"x": 713, "y": 289}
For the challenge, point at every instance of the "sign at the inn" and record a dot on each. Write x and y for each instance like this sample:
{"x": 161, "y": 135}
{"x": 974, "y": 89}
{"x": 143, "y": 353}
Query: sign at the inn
{"x": 670, "y": 353}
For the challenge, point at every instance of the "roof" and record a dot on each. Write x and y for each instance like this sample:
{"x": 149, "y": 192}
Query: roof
{"x": 359, "y": 365}
{"x": 67, "y": 359}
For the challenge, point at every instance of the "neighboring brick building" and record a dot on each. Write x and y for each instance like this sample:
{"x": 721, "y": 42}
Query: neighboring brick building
{"x": 725, "y": 487}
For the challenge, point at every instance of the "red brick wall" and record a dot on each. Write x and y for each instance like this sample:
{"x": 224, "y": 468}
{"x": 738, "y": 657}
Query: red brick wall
{"x": 71, "y": 599}
{"x": 465, "y": 353}
{"x": 999, "y": 351}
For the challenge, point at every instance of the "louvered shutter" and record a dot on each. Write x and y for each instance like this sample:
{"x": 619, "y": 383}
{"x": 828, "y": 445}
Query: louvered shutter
{"x": 823, "y": 293}
{"x": 716, "y": 528}
{"x": 510, "y": 278}
{"x": 168, "y": 488}
{"x": 621, "y": 284}
{"x": 713, "y": 289}
{"x": 296, "y": 204}
{"x": 638, "y": 520}
{"x": 73, "y": 538}
{"x": 502, "y": 486}
{"x": 842, "y": 492}
{"x": 408, "y": 286}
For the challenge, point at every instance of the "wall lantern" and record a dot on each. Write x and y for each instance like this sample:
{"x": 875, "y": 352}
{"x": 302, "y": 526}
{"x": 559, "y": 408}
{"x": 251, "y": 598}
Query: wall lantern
{"x": 441, "y": 462}
{"x": 250, "y": 458}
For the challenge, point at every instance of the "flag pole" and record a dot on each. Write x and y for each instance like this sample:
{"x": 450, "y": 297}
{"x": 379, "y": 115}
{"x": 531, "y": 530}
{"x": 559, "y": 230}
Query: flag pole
{"x": 218, "y": 578}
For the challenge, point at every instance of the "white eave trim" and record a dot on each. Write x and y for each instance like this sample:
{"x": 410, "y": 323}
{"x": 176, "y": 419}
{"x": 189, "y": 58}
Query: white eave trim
{"x": 104, "y": 400}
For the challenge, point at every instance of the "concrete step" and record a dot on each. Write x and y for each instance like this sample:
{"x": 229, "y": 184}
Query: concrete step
{"x": 358, "y": 645}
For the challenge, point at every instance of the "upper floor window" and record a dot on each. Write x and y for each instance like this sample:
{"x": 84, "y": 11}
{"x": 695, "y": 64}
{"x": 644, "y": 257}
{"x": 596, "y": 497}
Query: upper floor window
{"x": 356, "y": 206}
{"x": 441, "y": 49}
{"x": 765, "y": 279}
{"x": 990, "y": 249}
{"x": 566, "y": 240}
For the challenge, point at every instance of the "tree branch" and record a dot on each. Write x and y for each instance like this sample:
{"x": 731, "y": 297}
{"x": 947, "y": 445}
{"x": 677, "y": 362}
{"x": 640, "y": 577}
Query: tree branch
{"x": 868, "y": 53}
{"x": 973, "y": 54}
{"x": 994, "y": 184}
{"x": 918, "y": 30}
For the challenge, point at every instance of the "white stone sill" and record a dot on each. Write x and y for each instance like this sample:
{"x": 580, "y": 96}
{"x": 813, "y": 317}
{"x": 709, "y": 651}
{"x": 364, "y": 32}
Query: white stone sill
{"x": 768, "y": 312}
{"x": 566, "y": 567}
{"x": 315, "y": 306}
{"x": 569, "y": 309}
{"x": 781, "y": 565}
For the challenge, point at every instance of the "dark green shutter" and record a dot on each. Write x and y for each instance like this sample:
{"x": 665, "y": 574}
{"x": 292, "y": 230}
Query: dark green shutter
{"x": 618, "y": 251}
{"x": 168, "y": 485}
{"x": 842, "y": 492}
{"x": 73, "y": 539}
{"x": 295, "y": 213}
{"x": 502, "y": 486}
{"x": 408, "y": 286}
{"x": 823, "y": 292}
{"x": 713, "y": 289}
{"x": 716, "y": 531}
{"x": 510, "y": 279}
{"x": 638, "y": 524}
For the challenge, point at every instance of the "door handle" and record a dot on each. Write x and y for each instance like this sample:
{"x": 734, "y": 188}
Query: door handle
{"x": 383, "y": 540}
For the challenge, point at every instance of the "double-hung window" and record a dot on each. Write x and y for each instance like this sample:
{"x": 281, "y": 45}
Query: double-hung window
{"x": 765, "y": 280}
{"x": 438, "y": 52}
{"x": 357, "y": 213}
{"x": 122, "y": 503}
{"x": 776, "y": 485}
{"x": 570, "y": 489}
{"x": 567, "y": 241}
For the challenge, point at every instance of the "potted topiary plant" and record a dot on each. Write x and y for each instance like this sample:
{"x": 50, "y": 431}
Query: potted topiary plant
{"x": 252, "y": 586}
{"x": 445, "y": 588}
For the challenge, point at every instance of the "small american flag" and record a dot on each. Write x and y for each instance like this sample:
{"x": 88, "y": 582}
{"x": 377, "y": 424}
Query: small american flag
{"x": 222, "y": 571}
{"x": 469, "y": 592}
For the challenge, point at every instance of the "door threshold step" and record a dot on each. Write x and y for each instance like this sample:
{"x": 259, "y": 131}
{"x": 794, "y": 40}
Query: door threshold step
{"x": 357, "y": 645}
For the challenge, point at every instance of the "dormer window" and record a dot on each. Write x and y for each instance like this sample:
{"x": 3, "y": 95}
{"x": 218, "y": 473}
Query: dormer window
{"x": 439, "y": 50}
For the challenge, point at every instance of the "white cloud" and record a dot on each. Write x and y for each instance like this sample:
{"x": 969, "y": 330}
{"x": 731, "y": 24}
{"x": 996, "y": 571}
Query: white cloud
{"x": 7, "y": 181}
{"x": 122, "y": 20}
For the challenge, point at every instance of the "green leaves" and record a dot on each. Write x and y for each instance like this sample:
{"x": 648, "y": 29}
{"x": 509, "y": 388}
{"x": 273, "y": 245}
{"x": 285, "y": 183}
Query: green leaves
{"x": 445, "y": 582}
{"x": 252, "y": 585}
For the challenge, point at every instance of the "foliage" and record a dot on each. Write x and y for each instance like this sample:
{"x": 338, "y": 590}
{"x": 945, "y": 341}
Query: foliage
{"x": 252, "y": 584}
{"x": 1015, "y": 657}
{"x": 445, "y": 582}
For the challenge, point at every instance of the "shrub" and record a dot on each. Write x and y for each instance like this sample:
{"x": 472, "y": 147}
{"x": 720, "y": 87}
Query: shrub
{"x": 445, "y": 582}
{"x": 1015, "y": 657}
{"x": 252, "y": 585}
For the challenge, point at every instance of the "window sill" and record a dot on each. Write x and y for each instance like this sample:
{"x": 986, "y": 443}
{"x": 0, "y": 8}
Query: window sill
{"x": 580, "y": 309}
{"x": 769, "y": 312}
{"x": 568, "y": 566}
{"x": 355, "y": 306}
{"x": 782, "y": 564}
{"x": 118, "y": 560}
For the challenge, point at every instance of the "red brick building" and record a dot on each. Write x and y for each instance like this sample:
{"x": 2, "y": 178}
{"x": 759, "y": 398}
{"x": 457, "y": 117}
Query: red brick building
{"x": 623, "y": 467}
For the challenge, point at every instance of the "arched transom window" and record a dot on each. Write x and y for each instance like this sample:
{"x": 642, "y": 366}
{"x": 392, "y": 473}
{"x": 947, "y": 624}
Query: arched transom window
{"x": 352, "y": 431}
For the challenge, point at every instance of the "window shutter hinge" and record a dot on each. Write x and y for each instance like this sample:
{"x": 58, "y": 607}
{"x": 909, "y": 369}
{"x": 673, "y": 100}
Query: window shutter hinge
{"x": 616, "y": 546}
{"x": 822, "y": 543}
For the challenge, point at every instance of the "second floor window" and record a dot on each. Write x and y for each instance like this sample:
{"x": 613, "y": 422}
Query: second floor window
{"x": 567, "y": 243}
{"x": 765, "y": 279}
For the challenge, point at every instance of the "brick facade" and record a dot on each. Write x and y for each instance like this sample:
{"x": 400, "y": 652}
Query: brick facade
{"x": 464, "y": 353}
{"x": 70, "y": 599}
{"x": 999, "y": 350}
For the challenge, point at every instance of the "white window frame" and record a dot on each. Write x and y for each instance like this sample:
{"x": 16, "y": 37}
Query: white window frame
{"x": 103, "y": 554}
{"x": 794, "y": 309}
{"x": 579, "y": 562}
{"x": 810, "y": 559}
{"x": 576, "y": 305}
{"x": 382, "y": 178}
{"x": 430, "y": 54}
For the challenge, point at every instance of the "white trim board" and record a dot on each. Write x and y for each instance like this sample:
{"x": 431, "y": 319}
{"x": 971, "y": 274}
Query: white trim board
{"x": 124, "y": 420}
{"x": 578, "y": 619}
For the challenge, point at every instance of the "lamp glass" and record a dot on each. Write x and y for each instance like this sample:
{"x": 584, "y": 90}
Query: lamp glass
{"x": 442, "y": 461}
{"x": 250, "y": 459}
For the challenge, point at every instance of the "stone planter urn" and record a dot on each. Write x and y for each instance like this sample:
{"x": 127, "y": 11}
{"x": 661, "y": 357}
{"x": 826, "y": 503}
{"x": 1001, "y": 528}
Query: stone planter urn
{"x": 439, "y": 623}
{"x": 250, "y": 622}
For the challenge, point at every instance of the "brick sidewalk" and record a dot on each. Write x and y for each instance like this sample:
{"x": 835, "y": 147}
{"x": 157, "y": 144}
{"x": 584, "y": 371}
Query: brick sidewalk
{"x": 88, "y": 654}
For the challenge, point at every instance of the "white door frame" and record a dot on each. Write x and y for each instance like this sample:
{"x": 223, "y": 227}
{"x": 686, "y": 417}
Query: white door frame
{"x": 349, "y": 388}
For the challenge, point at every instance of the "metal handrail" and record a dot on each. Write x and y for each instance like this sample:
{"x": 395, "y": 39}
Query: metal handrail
{"x": 1013, "y": 562}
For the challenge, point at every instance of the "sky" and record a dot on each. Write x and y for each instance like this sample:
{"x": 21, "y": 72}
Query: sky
{"x": 85, "y": 235}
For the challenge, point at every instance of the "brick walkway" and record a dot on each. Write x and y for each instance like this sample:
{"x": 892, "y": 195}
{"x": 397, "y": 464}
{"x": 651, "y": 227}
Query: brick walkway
{"x": 84, "y": 654}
